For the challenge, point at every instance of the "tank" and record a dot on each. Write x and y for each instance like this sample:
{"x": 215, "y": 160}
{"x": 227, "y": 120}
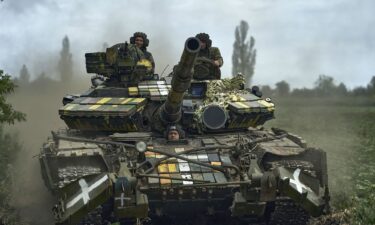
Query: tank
{"x": 113, "y": 164}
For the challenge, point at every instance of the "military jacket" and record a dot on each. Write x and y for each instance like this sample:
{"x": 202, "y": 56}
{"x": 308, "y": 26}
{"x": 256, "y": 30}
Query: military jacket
{"x": 205, "y": 69}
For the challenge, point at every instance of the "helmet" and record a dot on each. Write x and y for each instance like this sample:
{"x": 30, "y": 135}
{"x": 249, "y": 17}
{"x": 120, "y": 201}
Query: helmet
{"x": 142, "y": 35}
{"x": 204, "y": 38}
{"x": 177, "y": 128}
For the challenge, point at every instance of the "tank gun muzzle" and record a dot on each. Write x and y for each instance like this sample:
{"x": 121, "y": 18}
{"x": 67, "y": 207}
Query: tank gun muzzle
{"x": 171, "y": 110}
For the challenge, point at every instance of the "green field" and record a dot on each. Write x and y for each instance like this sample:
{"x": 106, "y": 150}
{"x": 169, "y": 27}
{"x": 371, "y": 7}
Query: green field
{"x": 345, "y": 129}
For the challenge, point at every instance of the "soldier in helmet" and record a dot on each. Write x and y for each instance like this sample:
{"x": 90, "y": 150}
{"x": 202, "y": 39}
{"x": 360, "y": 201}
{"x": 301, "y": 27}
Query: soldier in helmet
{"x": 209, "y": 60}
{"x": 141, "y": 41}
{"x": 174, "y": 133}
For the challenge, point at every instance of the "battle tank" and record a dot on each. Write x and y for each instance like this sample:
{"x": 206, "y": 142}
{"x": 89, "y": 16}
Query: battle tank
{"x": 114, "y": 165}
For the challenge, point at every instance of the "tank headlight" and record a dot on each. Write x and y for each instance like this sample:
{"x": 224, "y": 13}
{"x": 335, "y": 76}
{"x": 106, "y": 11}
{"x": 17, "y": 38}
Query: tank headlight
{"x": 141, "y": 146}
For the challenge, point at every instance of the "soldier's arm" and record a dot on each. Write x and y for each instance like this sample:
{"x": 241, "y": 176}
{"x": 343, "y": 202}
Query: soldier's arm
{"x": 218, "y": 59}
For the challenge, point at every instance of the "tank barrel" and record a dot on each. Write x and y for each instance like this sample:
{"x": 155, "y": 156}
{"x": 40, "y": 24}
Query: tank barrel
{"x": 171, "y": 110}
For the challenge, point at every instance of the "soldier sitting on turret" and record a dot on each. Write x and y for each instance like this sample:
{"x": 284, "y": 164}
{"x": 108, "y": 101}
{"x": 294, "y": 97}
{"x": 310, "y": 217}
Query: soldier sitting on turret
{"x": 209, "y": 60}
{"x": 140, "y": 40}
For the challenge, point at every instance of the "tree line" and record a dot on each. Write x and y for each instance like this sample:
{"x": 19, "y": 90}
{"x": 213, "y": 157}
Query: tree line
{"x": 244, "y": 59}
{"x": 324, "y": 86}
{"x": 64, "y": 68}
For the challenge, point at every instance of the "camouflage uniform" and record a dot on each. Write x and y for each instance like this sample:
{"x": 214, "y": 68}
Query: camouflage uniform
{"x": 146, "y": 53}
{"x": 205, "y": 68}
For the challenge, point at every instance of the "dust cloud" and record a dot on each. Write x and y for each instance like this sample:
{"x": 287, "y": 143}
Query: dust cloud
{"x": 40, "y": 100}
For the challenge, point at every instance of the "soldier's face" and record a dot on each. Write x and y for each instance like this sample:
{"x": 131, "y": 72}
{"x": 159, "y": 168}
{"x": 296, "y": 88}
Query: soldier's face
{"x": 173, "y": 135}
{"x": 203, "y": 45}
{"x": 138, "y": 42}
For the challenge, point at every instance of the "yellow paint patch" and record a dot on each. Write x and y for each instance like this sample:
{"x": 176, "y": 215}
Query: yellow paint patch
{"x": 216, "y": 163}
{"x": 138, "y": 100}
{"x": 145, "y": 62}
{"x": 70, "y": 106}
{"x": 172, "y": 168}
{"x": 103, "y": 100}
{"x": 242, "y": 99}
{"x": 163, "y": 168}
{"x": 126, "y": 101}
{"x": 265, "y": 103}
{"x": 133, "y": 90}
{"x": 114, "y": 106}
{"x": 242, "y": 105}
{"x": 94, "y": 106}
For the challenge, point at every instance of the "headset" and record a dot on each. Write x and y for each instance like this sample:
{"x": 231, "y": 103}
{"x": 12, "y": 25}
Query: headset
{"x": 142, "y": 35}
{"x": 205, "y": 38}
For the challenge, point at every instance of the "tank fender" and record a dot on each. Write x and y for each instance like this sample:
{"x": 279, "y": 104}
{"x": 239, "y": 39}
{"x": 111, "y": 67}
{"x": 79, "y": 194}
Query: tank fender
{"x": 82, "y": 196}
{"x": 294, "y": 184}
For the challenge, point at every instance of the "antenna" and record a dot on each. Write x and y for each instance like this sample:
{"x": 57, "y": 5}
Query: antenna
{"x": 161, "y": 75}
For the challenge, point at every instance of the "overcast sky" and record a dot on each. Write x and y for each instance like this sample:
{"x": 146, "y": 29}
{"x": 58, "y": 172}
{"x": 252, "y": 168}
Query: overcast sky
{"x": 296, "y": 40}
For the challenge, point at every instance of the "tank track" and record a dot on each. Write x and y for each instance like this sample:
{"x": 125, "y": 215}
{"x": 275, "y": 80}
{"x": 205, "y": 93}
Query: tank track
{"x": 286, "y": 213}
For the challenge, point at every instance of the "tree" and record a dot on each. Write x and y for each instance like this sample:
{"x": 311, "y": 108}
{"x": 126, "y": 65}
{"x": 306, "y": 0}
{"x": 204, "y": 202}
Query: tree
{"x": 342, "y": 90}
{"x": 7, "y": 113}
{"x": 244, "y": 54}
{"x": 9, "y": 148}
{"x": 359, "y": 91}
{"x": 371, "y": 86}
{"x": 282, "y": 88}
{"x": 65, "y": 66}
{"x": 325, "y": 85}
{"x": 303, "y": 92}
{"x": 24, "y": 75}
{"x": 266, "y": 90}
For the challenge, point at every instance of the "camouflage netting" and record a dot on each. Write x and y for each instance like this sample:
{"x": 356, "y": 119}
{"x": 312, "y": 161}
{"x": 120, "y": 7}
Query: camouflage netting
{"x": 221, "y": 92}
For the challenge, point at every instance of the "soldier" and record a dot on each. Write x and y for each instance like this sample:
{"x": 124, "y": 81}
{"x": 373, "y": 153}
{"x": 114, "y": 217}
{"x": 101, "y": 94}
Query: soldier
{"x": 209, "y": 60}
{"x": 175, "y": 133}
{"x": 141, "y": 41}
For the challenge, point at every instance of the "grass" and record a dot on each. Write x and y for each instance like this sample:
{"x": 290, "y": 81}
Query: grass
{"x": 345, "y": 129}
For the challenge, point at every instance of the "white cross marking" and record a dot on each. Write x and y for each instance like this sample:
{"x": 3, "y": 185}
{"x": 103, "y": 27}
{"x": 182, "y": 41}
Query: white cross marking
{"x": 123, "y": 198}
{"x": 85, "y": 190}
{"x": 300, "y": 186}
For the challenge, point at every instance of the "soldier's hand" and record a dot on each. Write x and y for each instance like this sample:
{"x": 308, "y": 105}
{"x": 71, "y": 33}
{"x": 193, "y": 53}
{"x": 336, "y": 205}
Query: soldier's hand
{"x": 217, "y": 63}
